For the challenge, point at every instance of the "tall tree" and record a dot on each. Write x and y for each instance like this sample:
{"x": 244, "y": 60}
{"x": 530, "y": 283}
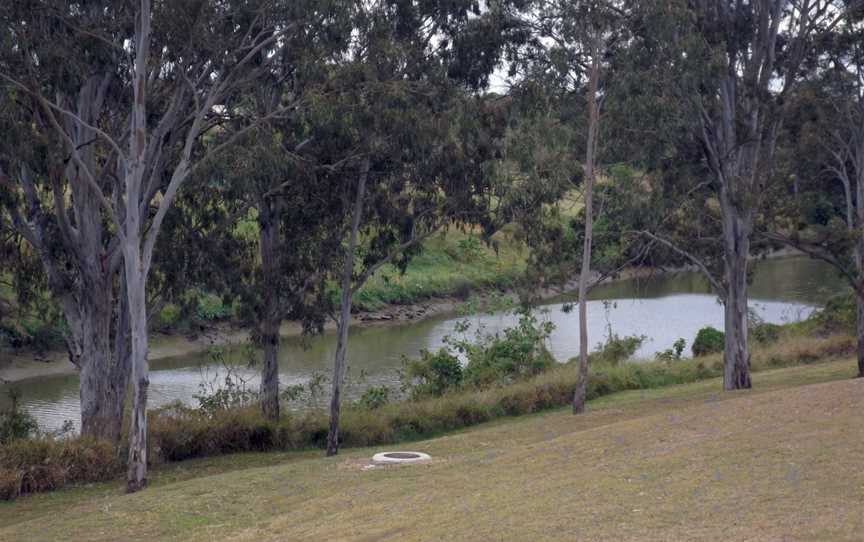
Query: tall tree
{"x": 737, "y": 64}
{"x": 822, "y": 212}
{"x": 416, "y": 150}
{"x": 163, "y": 75}
{"x": 574, "y": 44}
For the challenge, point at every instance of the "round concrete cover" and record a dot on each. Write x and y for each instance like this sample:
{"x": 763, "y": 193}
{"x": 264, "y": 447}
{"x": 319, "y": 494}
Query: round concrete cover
{"x": 400, "y": 457}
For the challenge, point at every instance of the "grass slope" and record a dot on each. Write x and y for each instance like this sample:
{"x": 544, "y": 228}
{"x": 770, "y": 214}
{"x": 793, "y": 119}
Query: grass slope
{"x": 686, "y": 462}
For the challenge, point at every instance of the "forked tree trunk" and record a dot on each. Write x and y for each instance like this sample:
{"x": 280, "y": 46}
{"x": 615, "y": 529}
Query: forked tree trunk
{"x": 269, "y": 318}
{"x": 580, "y": 395}
{"x": 345, "y": 313}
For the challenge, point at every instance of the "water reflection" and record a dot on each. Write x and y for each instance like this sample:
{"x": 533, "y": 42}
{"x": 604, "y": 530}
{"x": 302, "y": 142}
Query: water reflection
{"x": 663, "y": 308}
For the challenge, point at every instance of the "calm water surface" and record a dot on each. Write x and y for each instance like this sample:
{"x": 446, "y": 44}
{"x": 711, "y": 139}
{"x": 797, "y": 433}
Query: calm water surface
{"x": 661, "y": 308}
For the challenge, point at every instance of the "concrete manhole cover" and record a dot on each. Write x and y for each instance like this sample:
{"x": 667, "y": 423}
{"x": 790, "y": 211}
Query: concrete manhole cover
{"x": 400, "y": 457}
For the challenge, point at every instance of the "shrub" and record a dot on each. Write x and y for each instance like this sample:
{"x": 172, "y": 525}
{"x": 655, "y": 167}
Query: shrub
{"x": 168, "y": 317}
{"x": 708, "y": 341}
{"x": 211, "y": 307}
{"x": 674, "y": 353}
{"x": 15, "y": 424}
{"x": 434, "y": 374}
{"x": 516, "y": 354}
{"x": 45, "y": 463}
{"x": 616, "y": 349}
{"x": 375, "y": 397}
{"x": 765, "y": 333}
{"x": 839, "y": 314}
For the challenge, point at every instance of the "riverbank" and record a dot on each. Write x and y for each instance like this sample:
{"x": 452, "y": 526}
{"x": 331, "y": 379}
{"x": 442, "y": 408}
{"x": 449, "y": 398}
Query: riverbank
{"x": 643, "y": 465}
{"x": 17, "y": 366}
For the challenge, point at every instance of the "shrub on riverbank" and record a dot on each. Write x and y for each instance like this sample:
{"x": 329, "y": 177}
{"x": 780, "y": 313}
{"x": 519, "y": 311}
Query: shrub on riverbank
{"x": 178, "y": 433}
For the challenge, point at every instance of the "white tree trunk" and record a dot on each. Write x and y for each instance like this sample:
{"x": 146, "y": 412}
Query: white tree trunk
{"x": 345, "y": 313}
{"x": 579, "y": 396}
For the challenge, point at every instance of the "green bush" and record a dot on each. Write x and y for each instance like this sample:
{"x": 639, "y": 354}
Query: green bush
{"x": 168, "y": 317}
{"x": 211, "y": 307}
{"x": 674, "y": 353}
{"x": 765, "y": 333}
{"x": 433, "y": 375}
{"x": 518, "y": 353}
{"x": 708, "y": 341}
{"x": 15, "y": 424}
{"x": 616, "y": 349}
{"x": 375, "y": 397}
{"x": 839, "y": 314}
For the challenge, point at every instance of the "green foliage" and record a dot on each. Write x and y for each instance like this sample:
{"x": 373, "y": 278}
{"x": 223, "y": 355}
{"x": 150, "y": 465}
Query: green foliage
{"x": 433, "y": 375}
{"x": 708, "y": 341}
{"x": 500, "y": 359}
{"x": 16, "y": 424}
{"x": 674, "y": 353}
{"x": 490, "y": 359}
{"x": 375, "y": 397}
{"x": 211, "y": 307}
{"x": 169, "y": 317}
{"x": 839, "y": 314}
{"x": 615, "y": 349}
{"x": 765, "y": 333}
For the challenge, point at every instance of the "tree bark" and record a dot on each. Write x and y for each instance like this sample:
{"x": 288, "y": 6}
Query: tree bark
{"x": 736, "y": 356}
{"x": 345, "y": 313}
{"x": 103, "y": 369}
{"x": 579, "y": 396}
{"x": 269, "y": 317}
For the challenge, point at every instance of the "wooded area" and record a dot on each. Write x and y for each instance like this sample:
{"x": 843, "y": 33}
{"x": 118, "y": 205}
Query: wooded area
{"x": 281, "y": 152}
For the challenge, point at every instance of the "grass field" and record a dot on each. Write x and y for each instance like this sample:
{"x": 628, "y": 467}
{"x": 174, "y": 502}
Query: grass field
{"x": 782, "y": 462}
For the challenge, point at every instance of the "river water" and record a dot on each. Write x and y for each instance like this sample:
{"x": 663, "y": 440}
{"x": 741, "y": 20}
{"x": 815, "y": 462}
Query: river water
{"x": 662, "y": 308}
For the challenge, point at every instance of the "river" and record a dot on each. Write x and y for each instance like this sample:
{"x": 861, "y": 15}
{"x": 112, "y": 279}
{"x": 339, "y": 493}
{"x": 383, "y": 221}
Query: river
{"x": 662, "y": 308}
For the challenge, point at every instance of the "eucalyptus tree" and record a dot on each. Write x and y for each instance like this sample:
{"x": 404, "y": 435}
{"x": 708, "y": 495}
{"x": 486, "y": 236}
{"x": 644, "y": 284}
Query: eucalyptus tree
{"x": 416, "y": 139}
{"x": 572, "y": 50}
{"x": 736, "y": 64}
{"x": 124, "y": 95}
{"x": 822, "y": 212}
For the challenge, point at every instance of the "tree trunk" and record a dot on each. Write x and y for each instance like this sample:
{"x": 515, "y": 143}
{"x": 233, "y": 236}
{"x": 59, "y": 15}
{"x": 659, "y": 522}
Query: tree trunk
{"x": 579, "y": 396}
{"x": 860, "y": 328}
{"x": 136, "y": 474}
{"x": 736, "y": 245}
{"x": 345, "y": 313}
{"x": 269, "y": 318}
{"x": 103, "y": 373}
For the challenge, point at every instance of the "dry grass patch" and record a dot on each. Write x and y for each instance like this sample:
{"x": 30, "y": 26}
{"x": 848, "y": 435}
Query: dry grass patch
{"x": 684, "y": 462}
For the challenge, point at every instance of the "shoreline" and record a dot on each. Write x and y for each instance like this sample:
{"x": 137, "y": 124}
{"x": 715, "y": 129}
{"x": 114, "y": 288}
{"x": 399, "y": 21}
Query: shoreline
{"x": 26, "y": 365}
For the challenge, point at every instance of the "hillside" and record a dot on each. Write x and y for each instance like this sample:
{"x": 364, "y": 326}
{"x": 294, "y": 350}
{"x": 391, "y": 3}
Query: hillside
{"x": 687, "y": 462}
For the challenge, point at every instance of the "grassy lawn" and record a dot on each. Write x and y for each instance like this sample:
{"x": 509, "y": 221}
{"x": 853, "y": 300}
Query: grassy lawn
{"x": 781, "y": 462}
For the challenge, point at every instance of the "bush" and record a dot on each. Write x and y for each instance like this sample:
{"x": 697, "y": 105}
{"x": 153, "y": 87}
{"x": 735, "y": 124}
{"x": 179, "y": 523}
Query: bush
{"x": 616, "y": 349}
{"x": 375, "y": 397}
{"x": 708, "y": 341}
{"x": 433, "y": 375}
{"x": 516, "y": 354}
{"x": 45, "y": 463}
{"x": 15, "y": 424}
{"x": 674, "y": 353}
{"x": 211, "y": 307}
{"x": 765, "y": 333}
{"x": 839, "y": 314}
{"x": 168, "y": 317}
